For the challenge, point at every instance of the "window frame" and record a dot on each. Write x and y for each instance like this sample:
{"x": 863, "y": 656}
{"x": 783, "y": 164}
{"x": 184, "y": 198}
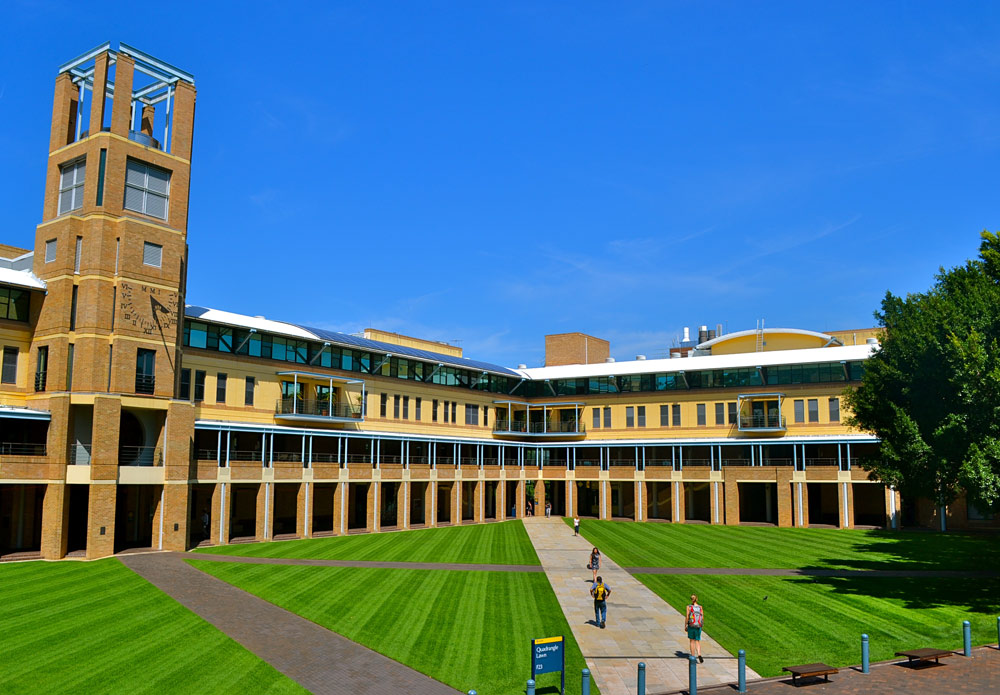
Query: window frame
{"x": 221, "y": 382}
{"x": 249, "y": 390}
{"x": 6, "y": 365}
{"x": 79, "y": 167}
{"x": 145, "y": 189}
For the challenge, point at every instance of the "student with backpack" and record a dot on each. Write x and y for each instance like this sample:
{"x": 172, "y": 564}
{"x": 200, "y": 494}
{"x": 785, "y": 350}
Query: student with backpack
{"x": 600, "y": 591}
{"x": 694, "y": 618}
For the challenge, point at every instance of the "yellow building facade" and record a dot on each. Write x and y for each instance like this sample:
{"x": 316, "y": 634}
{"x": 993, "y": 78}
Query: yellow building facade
{"x": 132, "y": 419}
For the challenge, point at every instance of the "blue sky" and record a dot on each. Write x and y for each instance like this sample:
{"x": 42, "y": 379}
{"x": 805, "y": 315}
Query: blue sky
{"x": 492, "y": 172}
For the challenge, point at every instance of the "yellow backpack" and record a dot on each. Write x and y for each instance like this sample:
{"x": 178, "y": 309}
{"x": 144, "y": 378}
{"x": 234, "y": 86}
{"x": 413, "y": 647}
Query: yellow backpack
{"x": 600, "y": 592}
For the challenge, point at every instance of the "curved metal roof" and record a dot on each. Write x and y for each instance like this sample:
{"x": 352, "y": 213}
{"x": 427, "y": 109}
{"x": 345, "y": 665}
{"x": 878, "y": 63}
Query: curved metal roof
{"x": 766, "y": 331}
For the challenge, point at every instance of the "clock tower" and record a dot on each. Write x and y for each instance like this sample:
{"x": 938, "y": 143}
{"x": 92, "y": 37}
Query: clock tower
{"x": 112, "y": 250}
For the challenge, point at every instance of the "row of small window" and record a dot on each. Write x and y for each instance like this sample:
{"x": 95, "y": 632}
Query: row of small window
{"x": 725, "y": 413}
{"x": 152, "y": 254}
{"x": 225, "y": 339}
{"x": 818, "y": 373}
{"x": 401, "y": 410}
{"x": 221, "y": 384}
{"x": 147, "y": 188}
{"x": 14, "y": 304}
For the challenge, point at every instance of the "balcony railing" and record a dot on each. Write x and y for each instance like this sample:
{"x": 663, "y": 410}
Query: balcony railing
{"x": 770, "y": 421}
{"x": 317, "y": 408}
{"x": 550, "y": 427}
{"x": 139, "y": 456}
{"x": 145, "y": 383}
{"x": 79, "y": 455}
{"x": 22, "y": 449}
{"x": 40, "y": 379}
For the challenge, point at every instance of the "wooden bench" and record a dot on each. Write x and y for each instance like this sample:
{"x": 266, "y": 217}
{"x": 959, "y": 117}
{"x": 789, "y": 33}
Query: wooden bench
{"x": 924, "y": 654}
{"x": 809, "y": 671}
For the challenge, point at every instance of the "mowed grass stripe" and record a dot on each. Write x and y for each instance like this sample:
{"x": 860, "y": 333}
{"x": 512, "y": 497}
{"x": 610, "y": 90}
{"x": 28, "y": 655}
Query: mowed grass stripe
{"x": 812, "y": 619}
{"x": 97, "y": 627}
{"x": 471, "y": 630}
{"x": 688, "y": 545}
{"x": 503, "y": 543}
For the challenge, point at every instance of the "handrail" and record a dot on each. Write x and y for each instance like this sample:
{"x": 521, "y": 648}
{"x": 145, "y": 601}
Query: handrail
{"x": 139, "y": 456}
{"x": 320, "y": 408}
{"x": 772, "y": 421}
{"x": 145, "y": 383}
{"x": 22, "y": 449}
{"x": 550, "y": 427}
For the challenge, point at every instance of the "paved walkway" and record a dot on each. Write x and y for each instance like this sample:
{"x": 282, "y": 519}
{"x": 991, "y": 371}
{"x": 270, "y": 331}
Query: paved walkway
{"x": 641, "y": 626}
{"x": 955, "y": 675}
{"x": 313, "y": 562}
{"x": 318, "y": 659}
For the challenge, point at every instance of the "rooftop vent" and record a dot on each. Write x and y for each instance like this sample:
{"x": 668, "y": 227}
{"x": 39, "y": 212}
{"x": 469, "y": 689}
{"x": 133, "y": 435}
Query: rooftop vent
{"x": 260, "y": 317}
{"x": 872, "y": 341}
{"x": 522, "y": 366}
{"x": 640, "y": 357}
{"x": 609, "y": 359}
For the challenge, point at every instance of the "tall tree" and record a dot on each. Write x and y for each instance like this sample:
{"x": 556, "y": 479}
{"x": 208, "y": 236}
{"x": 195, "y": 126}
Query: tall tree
{"x": 931, "y": 393}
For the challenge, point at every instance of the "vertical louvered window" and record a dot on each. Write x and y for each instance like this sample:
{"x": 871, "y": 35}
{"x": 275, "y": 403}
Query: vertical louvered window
{"x": 50, "y": 250}
{"x": 147, "y": 189}
{"x": 9, "y": 373}
{"x": 152, "y": 254}
{"x": 76, "y": 257}
{"x": 71, "y": 185}
{"x": 248, "y": 391}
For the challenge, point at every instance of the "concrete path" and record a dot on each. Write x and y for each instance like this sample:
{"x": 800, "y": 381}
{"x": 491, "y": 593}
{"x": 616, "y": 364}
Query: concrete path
{"x": 318, "y": 659}
{"x": 818, "y": 572}
{"x": 640, "y": 627}
{"x": 378, "y": 564}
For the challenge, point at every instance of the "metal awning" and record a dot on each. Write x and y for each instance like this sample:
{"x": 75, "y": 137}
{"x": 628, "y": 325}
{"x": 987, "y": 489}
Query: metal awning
{"x": 324, "y": 377}
{"x": 24, "y": 413}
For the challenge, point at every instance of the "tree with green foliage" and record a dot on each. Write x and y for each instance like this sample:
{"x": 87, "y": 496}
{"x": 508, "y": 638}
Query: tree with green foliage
{"x": 931, "y": 393}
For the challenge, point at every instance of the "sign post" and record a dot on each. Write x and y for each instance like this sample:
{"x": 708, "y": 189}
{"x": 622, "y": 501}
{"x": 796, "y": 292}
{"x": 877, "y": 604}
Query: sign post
{"x": 548, "y": 654}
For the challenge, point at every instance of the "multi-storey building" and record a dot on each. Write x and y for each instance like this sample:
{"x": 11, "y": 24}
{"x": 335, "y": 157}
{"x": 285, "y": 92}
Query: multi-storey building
{"x": 129, "y": 418}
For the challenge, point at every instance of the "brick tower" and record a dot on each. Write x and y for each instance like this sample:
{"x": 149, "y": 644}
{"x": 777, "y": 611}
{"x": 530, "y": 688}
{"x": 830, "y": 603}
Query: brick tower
{"x": 112, "y": 249}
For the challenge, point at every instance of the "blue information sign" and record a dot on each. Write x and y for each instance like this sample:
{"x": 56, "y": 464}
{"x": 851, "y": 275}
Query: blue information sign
{"x": 547, "y": 656}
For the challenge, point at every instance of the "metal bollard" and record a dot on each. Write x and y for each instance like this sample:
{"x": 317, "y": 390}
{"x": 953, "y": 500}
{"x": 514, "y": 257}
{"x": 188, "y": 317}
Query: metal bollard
{"x": 585, "y": 685}
{"x": 473, "y": 692}
{"x": 692, "y": 675}
{"x": 741, "y": 672}
{"x": 531, "y": 686}
{"x": 998, "y": 632}
{"x": 967, "y": 637}
{"x": 642, "y": 678}
{"x": 864, "y": 653}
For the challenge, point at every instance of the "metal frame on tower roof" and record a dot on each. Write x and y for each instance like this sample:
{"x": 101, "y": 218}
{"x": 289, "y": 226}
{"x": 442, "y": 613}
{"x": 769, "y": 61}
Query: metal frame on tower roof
{"x": 163, "y": 74}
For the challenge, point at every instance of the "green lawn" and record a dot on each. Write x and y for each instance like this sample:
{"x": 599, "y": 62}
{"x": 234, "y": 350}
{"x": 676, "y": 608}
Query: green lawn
{"x": 471, "y": 630}
{"x": 503, "y": 543}
{"x": 72, "y": 627}
{"x": 804, "y": 620}
{"x": 681, "y": 545}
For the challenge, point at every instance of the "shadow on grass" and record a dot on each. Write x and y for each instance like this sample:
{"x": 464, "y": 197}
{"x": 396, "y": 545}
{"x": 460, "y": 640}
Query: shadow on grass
{"x": 973, "y": 593}
{"x": 924, "y": 551}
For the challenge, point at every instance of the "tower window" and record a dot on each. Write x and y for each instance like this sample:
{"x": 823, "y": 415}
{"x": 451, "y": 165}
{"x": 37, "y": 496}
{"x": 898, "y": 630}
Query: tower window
{"x": 152, "y": 254}
{"x": 145, "y": 371}
{"x": 50, "y": 250}
{"x": 9, "y": 373}
{"x": 147, "y": 189}
{"x": 71, "y": 185}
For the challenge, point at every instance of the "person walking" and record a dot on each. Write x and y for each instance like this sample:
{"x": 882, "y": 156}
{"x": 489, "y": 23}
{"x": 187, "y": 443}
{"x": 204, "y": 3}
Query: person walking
{"x": 595, "y": 562}
{"x": 548, "y": 510}
{"x": 600, "y": 591}
{"x": 576, "y": 526}
{"x": 694, "y": 618}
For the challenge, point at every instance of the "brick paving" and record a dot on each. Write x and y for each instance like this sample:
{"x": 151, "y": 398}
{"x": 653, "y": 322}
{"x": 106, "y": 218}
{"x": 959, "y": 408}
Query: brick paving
{"x": 466, "y": 567}
{"x": 318, "y": 659}
{"x": 955, "y": 675}
{"x": 641, "y": 626}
